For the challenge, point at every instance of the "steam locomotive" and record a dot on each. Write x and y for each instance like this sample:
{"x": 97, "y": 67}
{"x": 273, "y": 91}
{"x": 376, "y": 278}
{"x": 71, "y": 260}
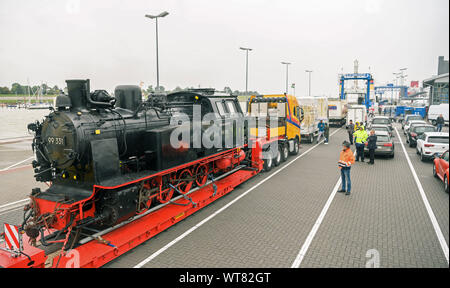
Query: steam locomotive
{"x": 107, "y": 158}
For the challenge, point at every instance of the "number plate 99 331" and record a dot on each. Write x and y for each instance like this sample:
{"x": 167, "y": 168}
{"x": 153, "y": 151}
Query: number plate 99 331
{"x": 56, "y": 141}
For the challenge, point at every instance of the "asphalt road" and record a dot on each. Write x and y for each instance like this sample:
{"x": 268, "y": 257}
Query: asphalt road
{"x": 295, "y": 218}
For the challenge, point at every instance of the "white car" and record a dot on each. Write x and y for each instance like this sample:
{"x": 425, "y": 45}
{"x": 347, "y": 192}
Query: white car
{"x": 408, "y": 124}
{"x": 410, "y": 117}
{"x": 430, "y": 144}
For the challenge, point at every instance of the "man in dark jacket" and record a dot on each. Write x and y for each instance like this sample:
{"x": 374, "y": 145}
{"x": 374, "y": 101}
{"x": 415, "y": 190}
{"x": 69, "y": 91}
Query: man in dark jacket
{"x": 440, "y": 121}
{"x": 321, "y": 133}
{"x": 372, "y": 145}
{"x": 350, "y": 131}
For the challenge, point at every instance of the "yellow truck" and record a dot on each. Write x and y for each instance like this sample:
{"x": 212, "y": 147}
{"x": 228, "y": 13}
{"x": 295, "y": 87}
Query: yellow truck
{"x": 277, "y": 121}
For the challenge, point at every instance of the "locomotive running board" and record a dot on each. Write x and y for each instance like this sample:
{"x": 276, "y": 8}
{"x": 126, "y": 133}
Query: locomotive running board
{"x": 124, "y": 237}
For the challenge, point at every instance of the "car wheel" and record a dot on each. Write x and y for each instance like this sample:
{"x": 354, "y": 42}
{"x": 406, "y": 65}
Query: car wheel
{"x": 434, "y": 170}
{"x": 445, "y": 183}
{"x": 392, "y": 155}
{"x": 284, "y": 152}
{"x": 422, "y": 157}
{"x": 434, "y": 122}
{"x": 268, "y": 164}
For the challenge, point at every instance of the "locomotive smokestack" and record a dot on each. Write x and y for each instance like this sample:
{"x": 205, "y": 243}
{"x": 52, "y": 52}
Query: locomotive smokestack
{"x": 78, "y": 91}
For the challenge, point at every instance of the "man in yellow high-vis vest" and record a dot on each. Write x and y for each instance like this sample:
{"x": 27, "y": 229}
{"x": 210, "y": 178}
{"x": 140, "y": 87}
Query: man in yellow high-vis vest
{"x": 360, "y": 140}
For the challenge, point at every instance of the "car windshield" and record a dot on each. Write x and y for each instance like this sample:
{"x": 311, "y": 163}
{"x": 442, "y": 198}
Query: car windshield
{"x": 380, "y": 121}
{"x": 380, "y": 128}
{"x": 438, "y": 140}
{"x": 423, "y": 129}
{"x": 382, "y": 138}
{"x": 417, "y": 124}
{"x": 413, "y": 118}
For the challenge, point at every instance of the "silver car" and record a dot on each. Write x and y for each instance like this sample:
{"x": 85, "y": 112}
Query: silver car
{"x": 382, "y": 120}
{"x": 385, "y": 145}
{"x": 381, "y": 128}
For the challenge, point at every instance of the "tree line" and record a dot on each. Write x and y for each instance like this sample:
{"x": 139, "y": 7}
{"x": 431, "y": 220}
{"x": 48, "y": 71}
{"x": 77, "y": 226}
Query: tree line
{"x": 17, "y": 88}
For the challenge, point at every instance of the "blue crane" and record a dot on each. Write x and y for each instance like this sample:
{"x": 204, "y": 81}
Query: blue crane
{"x": 358, "y": 76}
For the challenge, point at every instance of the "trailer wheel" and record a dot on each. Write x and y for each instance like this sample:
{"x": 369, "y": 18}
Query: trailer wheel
{"x": 277, "y": 158}
{"x": 296, "y": 147}
{"x": 284, "y": 152}
{"x": 268, "y": 164}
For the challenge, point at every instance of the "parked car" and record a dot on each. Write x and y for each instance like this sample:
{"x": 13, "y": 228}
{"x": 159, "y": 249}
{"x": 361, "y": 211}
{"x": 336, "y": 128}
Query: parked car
{"x": 411, "y": 122}
{"x": 440, "y": 169}
{"x": 435, "y": 110}
{"x": 431, "y": 143}
{"x": 382, "y": 120}
{"x": 410, "y": 118}
{"x": 385, "y": 145}
{"x": 381, "y": 128}
{"x": 416, "y": 131}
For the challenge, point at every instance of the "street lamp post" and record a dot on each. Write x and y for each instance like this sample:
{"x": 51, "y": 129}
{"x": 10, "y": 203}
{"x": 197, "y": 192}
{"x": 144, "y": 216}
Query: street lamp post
{"x": 287, "y": 75}
{"x": 246, "y": 67}
{"x": 309, "y": 71}
{"x": 163, "y": 14}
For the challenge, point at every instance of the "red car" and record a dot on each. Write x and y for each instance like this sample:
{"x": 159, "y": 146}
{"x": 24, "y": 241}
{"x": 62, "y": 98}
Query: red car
{"x": 440, "y": 169}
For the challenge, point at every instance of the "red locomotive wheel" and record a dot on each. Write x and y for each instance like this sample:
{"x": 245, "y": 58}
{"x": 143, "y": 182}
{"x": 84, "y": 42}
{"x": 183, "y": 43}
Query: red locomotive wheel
{"x": 185, "y": 181}
{"x": 201, "y": 173}
{"x": 165, "y": 195}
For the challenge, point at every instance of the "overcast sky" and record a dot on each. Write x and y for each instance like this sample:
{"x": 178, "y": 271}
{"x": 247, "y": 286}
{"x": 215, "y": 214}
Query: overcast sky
{"x": 112, "y": 43}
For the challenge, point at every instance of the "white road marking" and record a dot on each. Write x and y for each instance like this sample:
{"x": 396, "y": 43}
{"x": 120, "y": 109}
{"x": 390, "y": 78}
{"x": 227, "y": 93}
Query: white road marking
{"x": 13, "y": 205}
{"x": 173, "y": 242}
{"x": 13, "y": 210}
{"x": 9, "y": 167}
{"x": 298, "y": 260}
{"x": 433, "y": 219}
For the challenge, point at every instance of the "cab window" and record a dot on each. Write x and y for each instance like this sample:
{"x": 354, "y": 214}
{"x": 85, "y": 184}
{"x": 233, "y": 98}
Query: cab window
{"x": 230, "y": 107}
{"x": 220, "y": 108}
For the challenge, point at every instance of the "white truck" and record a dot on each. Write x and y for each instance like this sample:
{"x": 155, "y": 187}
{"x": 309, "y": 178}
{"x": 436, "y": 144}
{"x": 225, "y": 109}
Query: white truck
{"x": 435, "y": 110}
{"x": 314, "y": 109}
{"x": 357, "y": 113}
{"x": 337, "y": 110}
